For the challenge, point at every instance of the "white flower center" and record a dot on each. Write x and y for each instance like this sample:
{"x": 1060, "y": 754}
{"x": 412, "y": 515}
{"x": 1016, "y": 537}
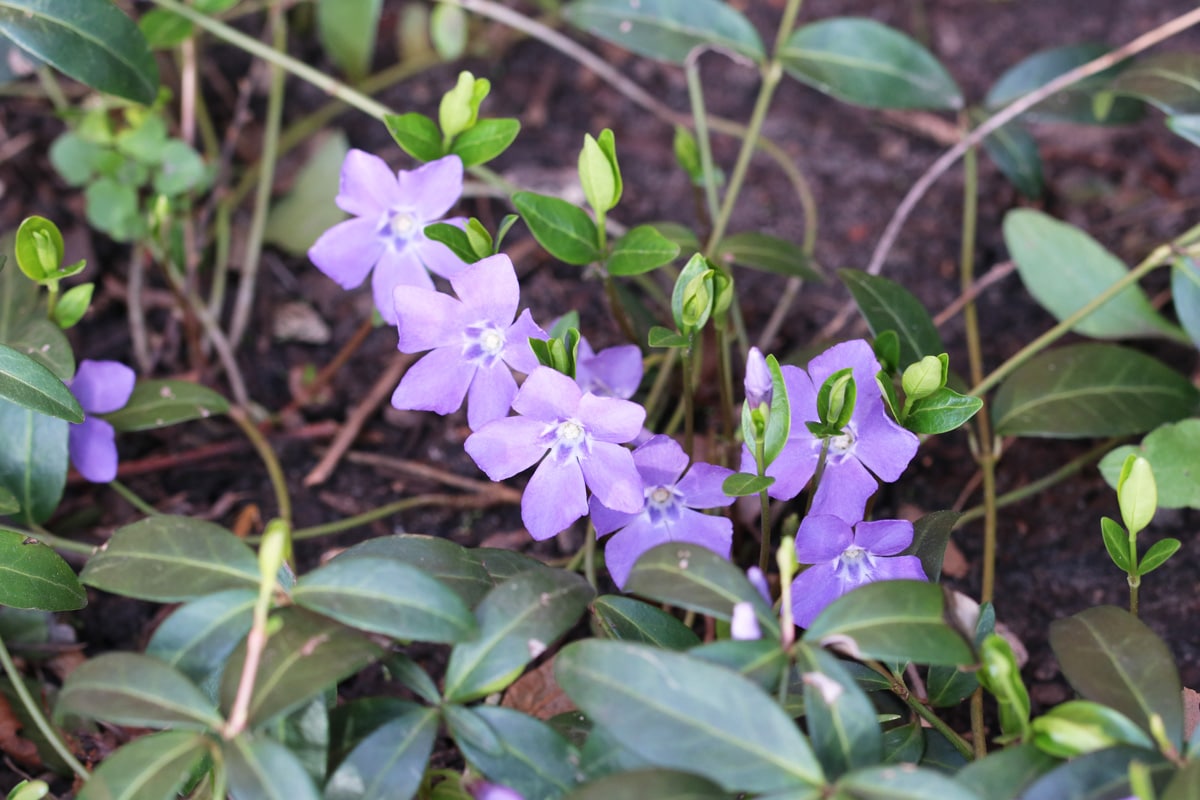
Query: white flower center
{"x": 855, "y": 565}
{"x": 843, "y": 443}
{"x": 483, "y": 343}
{"x": 570, "y": 433}
{"x": 660, "y": 495}
{"x": 568, "y": 438}
{"x": 662, "y": 503}
{"x": 400, "y": 227}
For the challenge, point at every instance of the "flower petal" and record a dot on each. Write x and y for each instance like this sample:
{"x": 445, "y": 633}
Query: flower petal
{"x": 492, "y": 391}
{"x": 367, "y": 187}
{"x": 554, "y": 498}
{"x": 812, "y": 590}
{"x": 613, "y": 372}
{"x": 883, "y": 446}
{"x": 660, "y": 461}
{"x": 427, "y": 319}
{"x": 436, "y": 257}
{"x": 102, "y": 387}
{"x": 489, "y": 289}
{"x": 606, "y": 520}
{"x": 822, "y": 538}
{"x": 507, "y": 446}
{"x": 899, "y": 568}
{"x": 517, "y": 352}
{"x": 883, "y": 537}
{"x": 706, "y": 530}
{"x": 93, "y": 449}
{"x": 844, "y": 490}
{"x": 609, "y": 419}
{"x": 548, "y": 395}
{"x": 626, "y": 546}
{"x": 432, "y": 188}
{"x": 347, "y": 251}
{"x": 791, "y": 470}
{"x": 396, "y": 268}
{"x": 701, "y": 487}
{"x": 437, "y": 383}
{"x": 613, "y": 478}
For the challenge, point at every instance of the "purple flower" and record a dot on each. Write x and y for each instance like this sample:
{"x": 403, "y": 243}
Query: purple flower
{"x": 613, "y": 372}
{"x": 101, "y": 387}
{"x": 482, "y": 790}
{"x": 473, "y": 339}
{"x": 390, "y": 212}
{"x": 758, "y": 384}
{"x": 871, "y": 443}
{"x": 577, "y": 437}
{"x": 667, "y": 512}
{"x": 845, "y": 557}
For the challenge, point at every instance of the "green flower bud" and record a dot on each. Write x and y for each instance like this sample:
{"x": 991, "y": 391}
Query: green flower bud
{"x": 1137, "y": 493}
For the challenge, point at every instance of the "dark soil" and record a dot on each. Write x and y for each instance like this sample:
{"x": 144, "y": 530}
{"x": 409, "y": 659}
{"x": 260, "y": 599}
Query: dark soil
{"x": 1130, "y": 187}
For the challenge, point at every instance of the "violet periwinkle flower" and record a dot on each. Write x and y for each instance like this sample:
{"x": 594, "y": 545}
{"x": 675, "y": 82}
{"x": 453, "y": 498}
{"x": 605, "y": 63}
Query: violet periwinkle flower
{"x": 577, "y": 437}
{"x": 844, "y": 557}
{"x": 668, "y": 511}
{"x": 871, "y": 443}
{"x": 390, "y": 212}
{"x": 101, "y": 387}
{"x": 473, "y": 339}
{"x": 482, "y": 790}
{"x": 758, "y": 384}
{"x": 613, "y": 372}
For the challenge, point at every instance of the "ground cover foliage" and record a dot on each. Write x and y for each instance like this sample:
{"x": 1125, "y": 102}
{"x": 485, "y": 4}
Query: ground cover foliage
{"x": 687, "y": 573}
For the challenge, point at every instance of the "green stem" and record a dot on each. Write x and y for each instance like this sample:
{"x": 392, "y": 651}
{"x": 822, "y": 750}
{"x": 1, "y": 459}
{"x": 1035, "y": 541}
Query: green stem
{"x": 689, "y": 411}
{"x": 659, "y": 387}
{"x": 978, "y": 728}
{"x": 764, "y": 502}
{"x": 725, "y": 384}
{"x": 589, "y": 554}
{"x": 274, "y": 471}
{"x": 57, "y": 542}
{"x": 132, "y": 498}
{"x": 700, "y": 120}
{"x": 35, "y": 712}
{"x": 923, "y": 711}
{"x": 374, "y": 514}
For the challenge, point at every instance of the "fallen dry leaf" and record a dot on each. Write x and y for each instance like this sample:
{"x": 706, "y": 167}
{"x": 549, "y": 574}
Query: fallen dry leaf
{"x": 538, "y": 694}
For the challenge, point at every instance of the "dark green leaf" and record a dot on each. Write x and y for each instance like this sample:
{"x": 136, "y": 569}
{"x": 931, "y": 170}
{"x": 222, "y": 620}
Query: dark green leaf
{"x": 500, "y": 565}
{"x": 93, "y": 43}
{"x": 865, "y": 62}
{"x": 743, "y": 484}
{"x": 1075, "y": 104}
{"x": 1096, "y": 776}
{"x": 667, "y": 29}
{"x": 32, "y": 575}
{"x": 892, "y": 621}
{"x": 515, "y": 750}
{"x": 384, "y": 595}
{"x": 199, "y": 636}
{"x": 455, "y": 238}
{"x": 264, "y": 769}
{"x": 136, "y": 690}
{"x": 390, "y": 762}
{"x": 768, "y": 253}
{"x": 640, "y": 250}
{"x": 886, "y": 305}
{"x": 153, "y": 767}
{"x": 904, "y": 744}
{"x": 352, "y": 721}
{"x": 1065, "y": 269}
{"x": 412, "y": 675}
{"x": 949, "y": 686}
{"x": 660, "y": 784}
{"x": 159, "y": 403}
{"x": 1015, "y": 152}
{"x": 905, "y": 782}
{"x": 631, "y": 620}
{"x": 416, "y": 134}
{"x": 1185, "y": 296}
{"x": 30, "y": 385}
{"x": 485, "y": 140}
{"x": 1090, "y": 390}
{"x": 518, "y": 620}
{"x": 169, "y": 559}
{"x": 564, "y": 229}
{"x": 1168, "y": 81}
{"x": 347, "y": 30}
{"x": 761, "y": 660}
{"x": 1111, "y": 657}
{"x": 1003, "y": 774}
{"x": 305, "y": 656}
{"x": 665, "y": 337}
{"x": 930, "y": 535}
{"x": 841, "y": 721}
{"x": 941, "y": 412}
{"x": 448, "y": 563}
{"x": 33, "y": 459}
{"x": 1158, "y": 554}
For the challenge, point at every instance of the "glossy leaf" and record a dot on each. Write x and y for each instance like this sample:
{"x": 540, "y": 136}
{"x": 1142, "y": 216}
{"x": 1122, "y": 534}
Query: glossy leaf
{"x": 1074, "y": 104}
{"x": 1090, "y": 390}
{"x": 518, "y": 620}
{"x": 1185, "y": 296}
{"x": 761, "y": 660}
{"x": 563, "y": 229}
{"x": 485, "y": 140}
{"x": 1095, "y": 776}
{"x": 888, "y": 306}
{"x": 1065, "y": 269}
{"x": 514, "y": 750}
{"x": 768, "y": 253}
{"x": 416, "y": 134}
{"x": 1116, "y": 542}
{"x": 28, "y": 384}
{"x": 743, "y": 484}
{"x": 264, "y": 769}
{"x": 948, "y": 686}
{"x": 931, "y": 533}
{"x": 413, "y": 676}
{"x": 865, "y": 62}
{"x": 942, "y": 411}
{"x": 390, "y": 761}
{"x": 199, "y": 636}
{"x": 500, "y": 564}
{"x": 1003, "y": 774}
{"x": 1076, "y": 727}
{"x": 904, "y": 744}
{"x": 674, "y": 710}
{"x": 892, "y": 621}
{"x": 698, "y": 579}
{"x": 1000, "y": 674}
{"x": 665, "y": 337}
{"x": 1111, "y": 657}
{"x": 169, "y": 559}
{"x": 841, "y": 721}
{"x": 306, "y": 655}
{"x": 667, "y": 29}
{"x": 660, "y": 784}
{"x": 1015, "y": 152}
{"x": 1168, "y": 81}
{"x": 159, "y": 403}
{"x": 93, "y": 43}
{"x": 308, "y": 209}
{"x": 1157, "y": 555}
{"x": 153, "y": 767}
{"x": 347, "y": 30}
{"x": 386, "y": 596}
{"x": 904, "y": 782}
{"x": 631, "y": 620}
{"x": 352, "y": 721}
{"x": 640, "y": 250}
{"x": 33, "y": 459}
{"x": 32, "y": 575}
{"x": 450, "y": 564}
{"x": 136, "y": 690}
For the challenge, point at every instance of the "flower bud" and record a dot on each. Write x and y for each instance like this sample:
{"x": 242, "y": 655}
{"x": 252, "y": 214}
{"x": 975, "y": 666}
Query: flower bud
{"x": 744, "y": 625}
{"x": 758, "y": 382}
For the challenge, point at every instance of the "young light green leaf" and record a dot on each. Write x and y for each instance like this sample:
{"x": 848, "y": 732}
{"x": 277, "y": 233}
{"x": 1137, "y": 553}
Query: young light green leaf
{"x": 28, "y": 384}
{"x": 565, "y": 230}
{"x": 691, "y": 299}
{"x": 1116, "y": 542}
{"x": 886, "y": 305}
{"x": 33, "y": 459}
{"x": 1137, "y": 494}
{"x": 659, "y": 336}
{"x": 347, "y": 30}
{"x": 599, "y": 173}
{"x": 487, "y": 139}
{"x": 164, "y": 29}
{"x": 297, "y": 219}
{"x": 640, "y": 250}
{"x": 1080, "y": 726}
{"x": 667, "y": 29}
{"x": 1158, "y": 554}
{"x": 265, "y": 770}
{"x": 1065, "y": 269}
{"x": 768, "y": 253}
{"x": 1074, "y": 104}
{"x": 390, "y": 761}
{"x": 153, "y": 767}
{"x": 159, "y": 403}
{"x": 518, "y": 620}
{"x": 32, "y": 575}
{"x": 1173, "y": 451}
{"x": 941, "y": 412}
{"x": 744, "y": 484}
{"x": 73, "y": 305}
{"x": 416, "y": 134}
{"x": 515, "y": 750}
{"x": 673, "y": 710}
{"x": 841, "y": 721}
{"x": 136, "y": 690}
{"x": 864, "y": 62}
{"x": 456, "y": 239}
{"x": 1090, "y": 390}
{"x": 630, "y": 620}
{"x": 459, "y": 108}
{"x": 1098, "y": 775}
{"x": 95, "y": 44}
{"x": 169, "y": 559}
{"x": 38, "y": 248}
{"x": 1001, "y": 676}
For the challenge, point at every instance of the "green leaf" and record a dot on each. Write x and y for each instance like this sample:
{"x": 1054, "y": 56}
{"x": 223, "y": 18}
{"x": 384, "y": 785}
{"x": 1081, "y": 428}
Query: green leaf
{"x": 8, "y": 503}
{"x": 630, "y": 620}
{"x": 387, "y": 596}
{"x": 93, "y": 43}
{"x": 1116, "y": 542}
{"x": 667, "y": 30}
{"x": 1015, "y": 152}
{"x": 1185, "y": 784}
{"x": 698, "y": 579}
{"x": 264, "y": 769}
{"x": 1090, "y": 390}
{"x": 308, "y": 209}
{"x": 390, "y": 761}
{"x": 1096, "y": 776}
{"x": 1065, "y": 269}
{"x": 1185, "y": 296}
{"x": 761, "y": 660}
{"x": 1158, "y": 554}
{"x": 563, "y": 229}
{"x": 450, "y": 564}
{"x": 1074, "y": 104}
{"x": 29, "y": 384}
{"x": 1076, "y": 727}
{"x": 455, "y": 238}
{"x": 930, "y": 536}
{"x": 1186, "y": 126}
{"x": 518, "y": 620}
{"x": 135, "y": 690}
{"x": 941, "y": 412}
{"x": 347, "y": 30}
{"x": 1000, "y": 675}
{"x": 1173, "y": 451}
{"x": 841, "y": 721}
{"x": 32, "y": 575}
{"x": 112, "y": 207}
{"x": 768, "y": 253}
{"x": 199, "y": 636}
{"x": 168, "y": 559}
{"x": 515, "y": 750}
{"x": 416, "y": 134}
{"x": 743, "y": 484}
{"x": 75, "y": 158}
{"x": 44, "y": 342}
{"x": 886, "y": 305}
{"x": 1003, "y": 774}
{"x": 665, "y": 337}
{"x": 38, "y": 248}
{"x": 73, "y": 305}
{"x": 660, "y": 784}
{"x": 182, "y": 170}
{"x": 892, "y": 621}
{"x": 159, "y": 403}
{"x": 1111, "y": 657}
{"x": 164, "y": 29}
{"x": 485, "y": 140}
{"x": 640, "y": 250}
{"x": 144, "y": 139}
{"x": 153, "y": 767}
{"x": 305, "y": 656}
{"x": 691, "y": 298}
{"x": 33, "y": 460}
{"x": 908, "y": 783}
{"x": 864, "y": 62}
{"x": 599, "y": 172}
{"x": 1168, "y": 81}
{"x": 674, "y": 710}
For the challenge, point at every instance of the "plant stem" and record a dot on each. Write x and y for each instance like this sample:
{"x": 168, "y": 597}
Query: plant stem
{"x": 589, "y": 554}
{"x": 132, "y": 498}
{"x": 764, "y": 503}
{"x": 57, "y": 542}
{"x": 689, "y": 411}
{"x": 35, "y": 712}
{"x": 700, "y": 120}
{"x": 274, "y": 471}
{"x": 923, "y": 711}
{"x": 408, "y": 503}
